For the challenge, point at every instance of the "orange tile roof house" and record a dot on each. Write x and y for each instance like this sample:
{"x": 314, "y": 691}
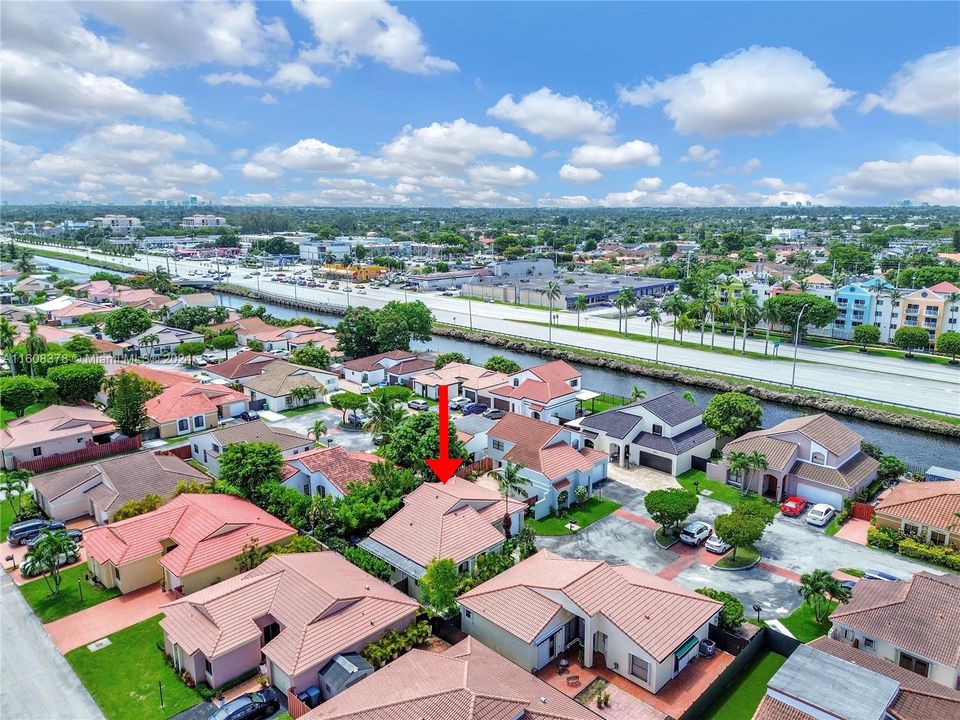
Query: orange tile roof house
{"x": 242, "y": 366}
{"x": 927, "y": 509}
{"x": 189, "y": 407}
{"x": 647, "y": 629}
{"x": 468, "y": 681}
{"x": 461, "y": 379}
{"x": 100, "y": 488}
{"x": 207, "y": 447}
{"x": 814, "y": 457}
{"x": 554, "y": 459}
{"x": 915, "y": 624}
{"x": 458, "y": 520}
{"x": 54, "y": 430}
{"x": 329, "y": 470}
{"x": 190, "y": 543}
{"x": 298, "y": 611}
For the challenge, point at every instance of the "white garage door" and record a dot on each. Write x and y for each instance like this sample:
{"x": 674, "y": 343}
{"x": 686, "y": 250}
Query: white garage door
{"x": 279, "y": 678}
{"x": 815, "y": 494}
{"x": 237, "y": 408}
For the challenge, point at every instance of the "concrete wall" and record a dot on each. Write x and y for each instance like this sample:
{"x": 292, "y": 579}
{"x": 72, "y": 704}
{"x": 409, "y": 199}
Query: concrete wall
{"x": 898, "y": 524}
{"x": 232, "y": 664}
{"x": 47, "y": 448}
{"x": 133, "y": 575}
{"x": 496, "y": 638}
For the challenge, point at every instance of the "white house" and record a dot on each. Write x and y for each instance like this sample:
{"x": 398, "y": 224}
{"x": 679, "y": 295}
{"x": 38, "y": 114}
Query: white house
{"x": 328, "y": 470}
{"x": 373, "y": 368}
{"x": 207, "y": 447}
{"x": 160, "y": 340}
{"x": 275, "y": 388}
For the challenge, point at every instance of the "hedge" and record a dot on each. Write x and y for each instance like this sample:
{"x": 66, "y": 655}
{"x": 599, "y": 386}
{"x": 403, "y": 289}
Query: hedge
{"x": 731, "y": 617}
{"x": 888, "y": 539}
{"x": 883, "y": 538}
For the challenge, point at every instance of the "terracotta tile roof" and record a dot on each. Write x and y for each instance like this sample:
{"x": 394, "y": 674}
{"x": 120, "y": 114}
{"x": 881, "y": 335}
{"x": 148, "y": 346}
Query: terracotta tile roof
{"x": 536, "y": 390}
{"x": 772, "y": 709}
{"x": 944, "y": 288}
{"x": 822, "y": 429}
{"x": 279, "y": 378}
{"x": 245, "y": 364}
{"x": 187, "y": 399}
{"x": 339, "y": 465}
{"x": 207, "y": 530}
{"x": 411, "y": 366}
{"x": 55, "y": 422}
{"x": 536, "y": 446}
{"x": 79, "y": 308}
{"x": 258, "y": 431}
{"x": 780, "y": 454}
{"x": 165, "y": 378}
{"x": 444, "y": 521}
{"x": 468, "y": 681}
{"x": 556, "y": 371}
{"x": 848, "y": 476}
{"x": 324, "y": 604}
{"x": 370, "y": 362}
{"x": 935, "y": 504}
{"x": 921, "y": 616}
{"x": 920, "y": 698}
{"x": 472, "y": 377}
{"x": 656, "y": 614}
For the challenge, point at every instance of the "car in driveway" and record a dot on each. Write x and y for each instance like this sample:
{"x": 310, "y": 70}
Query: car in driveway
{"x": 715, "y": 545}
{"x": 494, "y": 414}
{"x": 695, "y": 533}
{"x": 249, "y": 415}
{"x": 252, "y": 706}
{"x": 793, "y": 506}
{"x": 365, "y": 389}
{"x": 418, "y": 405}
{"x": 820, "y": 514}
{"x": 474, "y": 409}
{"x": 22, "y": 532}
{"x": 879, "y": 575}
{"x": 460, "y": 402}
{"x": 75, "y": 535}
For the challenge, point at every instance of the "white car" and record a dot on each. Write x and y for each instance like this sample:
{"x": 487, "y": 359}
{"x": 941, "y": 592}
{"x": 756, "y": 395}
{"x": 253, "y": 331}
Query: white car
{"x": 365, "y": 388}
{"x": 460, "y": 402}
{"x": 820, "y": 514}
{"x": 715, "y": 545}
{"x": 695, "y": 533}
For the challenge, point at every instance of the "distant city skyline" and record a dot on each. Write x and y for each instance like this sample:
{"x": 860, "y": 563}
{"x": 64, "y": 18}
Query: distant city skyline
{"x": 481, "y": 104}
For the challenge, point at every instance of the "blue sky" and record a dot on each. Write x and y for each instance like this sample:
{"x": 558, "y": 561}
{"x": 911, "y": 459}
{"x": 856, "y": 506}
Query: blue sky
{"x": 481, "y": 104}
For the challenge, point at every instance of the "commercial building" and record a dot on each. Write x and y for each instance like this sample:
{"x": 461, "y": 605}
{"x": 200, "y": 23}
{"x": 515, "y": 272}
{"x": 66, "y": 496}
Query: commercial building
{"x": 596, "y": 288}
{"x": 117, "y": 224}
{"x": 340, "y": 247}
{"x": 200, "y": 221}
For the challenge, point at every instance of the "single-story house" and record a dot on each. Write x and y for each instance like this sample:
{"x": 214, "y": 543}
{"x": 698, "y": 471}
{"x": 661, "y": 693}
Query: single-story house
{"x": 164, "y": 378}
{"x": 928, "y": 510}
{"x": 188, "y": 300}
{"x": 242, "y": 366}
{"x": 206, "y": 447}
{"x": 553, "y": 460}
{"x": 328, "y": 470}
{"x": 638, "y": 625}
{"x": 71, "y": 314}
{"x": 160, "y": 340}
{"x": 457, "y": 520}
{"x": 460, "y": 378}
{"x": 293, "y": 613}
{"x": 188, "y": 544}
{"x": 273, "y": 387}
{"x": 144, "y": 298}
{"x": 472, "y": 431}
{"x": 55, "y": 430}
{"x": 101, "y": 487}
{"x": 190, "y": 407}
{"x": 373, "y": 368}
{"x": 295, "y": 336}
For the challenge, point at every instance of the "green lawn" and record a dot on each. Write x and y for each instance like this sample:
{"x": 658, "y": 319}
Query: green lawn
{"x": 124, "y": 678}
{"x": 742, "y": 698}
{"x": 8, "y": 415}
{"x": 53, "y": 607}
{"x": 746, "y": 556}
{"x": 293, "y": 412}
{"x": 887, "y": 352}
{"x": 7, "y": 513}
{"x": 587, "y": 514}
{"x": 804, "y": 627}
{"x": 196, "y": 464}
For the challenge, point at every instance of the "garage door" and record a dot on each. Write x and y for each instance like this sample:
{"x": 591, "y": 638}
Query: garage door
{"x": 816, "y": 494}
{"x": 655, "y": 461}
{"x": 237, "y": 408}
{"x": 279, "y": 679}
{"x": 698, "y": 463}
{"x": 500, "y": 404}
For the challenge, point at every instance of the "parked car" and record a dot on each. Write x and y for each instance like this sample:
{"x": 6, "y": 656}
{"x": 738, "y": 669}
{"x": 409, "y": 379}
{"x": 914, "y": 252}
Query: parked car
{"x": 418, "y": 405}
{"x": 357, "y": 418}
{"x": 22, "y": 532}
{"x": 793, "y": 506}
{"x": 879, "y": 575}
{"x": 460, "y": 402}
{"x": 261, "y": 704}
{"x": 365, "y": 389}
{"x": 715, "y": 545}
{"x": 695, "y": 533}
{"x": 474, "y": 409}
{"x": 820, "y": 514}
{"x": 494, "y": 414}
{"x": 75, "y": 535}
{"x": 249, "y": 415}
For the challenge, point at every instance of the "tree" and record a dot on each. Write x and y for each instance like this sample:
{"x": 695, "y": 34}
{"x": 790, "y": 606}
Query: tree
{"x": 820, "y": 312}
{"x": 749, "y": 314}
{"x": 683, "y": 324}
{"x": 125, "y": 322}
{"x": 756, "y": 461}
{"x": 625, "y": 301}
{"x": 820, "y": 590}
{"x": 910, "y": 339}
{"x": 344, "y": 401}
{"x": 637, "y": 393}
{"x": 318, "y": 429}
{"x": 676, "y": 306}
{"x": 311, "y": 356}
{"x": 133, "y": 508}
{"x": 447, "y": 358}
{"x": 8, "y": 336}
{"x": 498, "y": 363}
{"x": 50, "y": 548}
{"x": 251, "y": 556}
{"x": 356, "y": 333}
{"x": 732, "y": 414}
{"x": 19, "y": 393}
{"x": 438, "y": 585}
{"x": 190, "y": 349}
{"x": 731, "y": 616}
{"x": 77, "y": 381}
{"x": 13, "y": 484}
{"x": 865, "y": 335}
{"x": 250, "y": 465}
{"x": 949, "y": 344}
{"x": 255, "y": 345}
{"x": 396, "y": 393}
{"x": 739, "y": 530}
{"x": 891, "y": 468}
{"x": 385, "y": 414}
{"x": 510, "y": 483}
{"x": 670, "y": 507}
{"x": 225, "y": 343}
{"x": 579, "y": 305}
{"x": 34, "y": 345}
{"x": 392, "y": 331}
{"x": 81, "y": 346}
{"x": 553, "y": 293}
{"x": 417, "y": 315}
{"x": 739, "y": 465}
{"x": 306, "y": 394}
{"x": 127, "y": 394}
{"x": 416, "y": 438}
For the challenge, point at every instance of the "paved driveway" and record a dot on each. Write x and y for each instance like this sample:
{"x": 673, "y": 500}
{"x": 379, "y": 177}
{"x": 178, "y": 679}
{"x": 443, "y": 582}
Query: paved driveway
{"x": 360, "y": 441}
{"x": 37, "y": 681}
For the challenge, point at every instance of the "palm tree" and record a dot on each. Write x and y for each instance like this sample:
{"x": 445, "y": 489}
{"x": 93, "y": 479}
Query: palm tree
{"x": 34, "y": 345}
{"x": 580, "y": 304}
{"x": 220, "y": 314}
{"x": 625, "y": 300}
{"x": 769, "y": 315}
{"x": 553, "y": 293}
{"x": 655, "y": 326}
{"x": 675, "y": 305}
{"x": 510, "y": 482}
{"x": 49, "y": 549}
{"x": 738, "y": 464}
{"x": 385, "y": 415}
{"x": 819, "y": 589}
{"x": 750, "y": 315}
{"x": 14, "y": 484}
{"x": 757, "y": 461}
{"x": 318, "y": 429}
{"x": 637, "y": 393}
{"x": 24, "y": 265}
{"x": 716, "y": 309}
{"x": 688, "y": 396}
{"x": 683, "y": 324}
{"x": 705, "y": 298}
{"x": 8, "y": 336}
{"x": 735, "y": 314}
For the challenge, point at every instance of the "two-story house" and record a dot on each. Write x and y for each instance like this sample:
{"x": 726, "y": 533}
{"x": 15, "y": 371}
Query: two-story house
{"x": 159, "y": 340}
{"x": 664, "y": 433}
{"x": 328, "y": 470}
{"x": 189, "y": 407}
{"x": 553, "y": 460}
{"x": 207, "y": 447}
{"x": 373, "y": 369}
{"x": 548, "y": 392}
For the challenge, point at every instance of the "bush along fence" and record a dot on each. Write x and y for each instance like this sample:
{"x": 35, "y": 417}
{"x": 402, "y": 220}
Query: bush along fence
{"x": 911, "y": 547}
{"x": 395, "y": 643}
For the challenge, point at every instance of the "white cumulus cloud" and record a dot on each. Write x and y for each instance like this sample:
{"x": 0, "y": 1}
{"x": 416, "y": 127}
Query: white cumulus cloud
{"x": 928, "y": 87}
{"x": 579, "y": 174}
{"x": 296, "y": 76}
{"x": 632, "y": 153}
{"x": 500, "y": 175}
{"x": 555, "y": 116}
{"x": 231, "y": 78}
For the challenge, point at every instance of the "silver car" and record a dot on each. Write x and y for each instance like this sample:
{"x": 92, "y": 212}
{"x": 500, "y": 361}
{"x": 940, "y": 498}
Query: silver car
{"x": 715, "y": 545}
{"x": 695, "y": 533}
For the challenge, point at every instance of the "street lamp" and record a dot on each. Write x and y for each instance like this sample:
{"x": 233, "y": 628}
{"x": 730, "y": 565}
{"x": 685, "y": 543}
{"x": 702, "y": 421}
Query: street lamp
{"x": 796, "y": 344}
{"x": 347, "y": 290}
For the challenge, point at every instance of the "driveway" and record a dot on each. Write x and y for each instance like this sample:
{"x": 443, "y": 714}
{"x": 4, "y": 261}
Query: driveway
{"x": 37, "y": 681}
{"x": 359, "y": 441}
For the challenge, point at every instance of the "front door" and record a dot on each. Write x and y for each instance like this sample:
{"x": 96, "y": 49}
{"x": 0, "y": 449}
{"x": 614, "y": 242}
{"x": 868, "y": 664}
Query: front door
{"x": 600, "y": 642}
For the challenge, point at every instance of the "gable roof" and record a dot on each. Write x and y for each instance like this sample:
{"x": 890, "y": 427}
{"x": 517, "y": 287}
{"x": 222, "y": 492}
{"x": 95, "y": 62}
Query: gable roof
{"x": 243, "y": 364}
{"x": 848, "y": 476}
{"x": 921, "y": 616}
{"x": 944, "y": 288}
{"x": 677, "y": 445}
{"x": 822, "y": 429}
{"x": 339, "y": 465}
{"x": 167, "y": 335}
{"x": 671, "y": 408}
{"x": 55, "y": 422}
{"x": 165, "y": 378}
{"x": 189, "y": 398}
{"x": 259, "y": 431}
{"x": 780, "y": 454}
{"x": 324, "y": 603}
{"x": 537, "y": 447}
{"x": 536, "y": 390}
{"x": 656, "y": 614}
{"x": 370, "y": 362}
{"x": 470, "y": 376}
{"x": 468, "y": 681}
{"x": 935, "y": 504}
{"x": 615, "y": 423}
{"x": 555, "y": 371}
{"x": 280, "y": 378}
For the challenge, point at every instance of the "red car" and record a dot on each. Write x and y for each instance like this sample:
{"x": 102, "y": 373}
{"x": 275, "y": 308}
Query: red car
{"x": 793, "y": 506}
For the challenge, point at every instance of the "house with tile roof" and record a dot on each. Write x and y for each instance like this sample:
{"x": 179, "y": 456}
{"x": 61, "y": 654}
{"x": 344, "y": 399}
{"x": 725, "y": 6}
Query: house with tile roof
{"x": 296, "y": 336}
{"x": 636, "y": 624}
{"x": 293, "y": 613}
{"x": 373, "y": 368}
{"x": 915, "y": 624}
{"x": 188, "y": 544}
{"x": 100, "y": 488}
{"x": 553, "y": 460}
{"x": 468, "y": 681}
{"x": 161, "y": 340}
{"x": 55, "y": 430}
{"x": 551, "y": 401}
{"x": 242, "y": 366}
{"x": 460, "y": 378}
{"x": 328, "y": 470}
{"x": 928, "y": 510}
{"x": 190, "y": 407}
{"x": 665, "y": 433}
{"x": 274, "y": 387}
{"x": 70, "y": 314}
{"x": 207, "y": 447}
{"x": 457, "y": 520}
{"x": 814, "y": 457}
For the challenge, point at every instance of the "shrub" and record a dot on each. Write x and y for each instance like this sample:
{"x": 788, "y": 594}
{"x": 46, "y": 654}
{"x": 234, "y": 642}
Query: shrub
{"x": 938, "y": 554}
{"x": 367, "y": 562}
{"x": 731, "y": 617}
{"x": 581, "y": 494}
{"x": 883, "y": 538}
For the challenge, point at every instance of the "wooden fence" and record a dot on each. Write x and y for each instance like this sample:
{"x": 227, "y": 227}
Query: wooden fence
{"x": 295, "y": 706}
{"x": 92, "y": 451}
{"x": 481, "y": 466}
{"x": 862, "y": 511}
{"x": 183, "y": 452}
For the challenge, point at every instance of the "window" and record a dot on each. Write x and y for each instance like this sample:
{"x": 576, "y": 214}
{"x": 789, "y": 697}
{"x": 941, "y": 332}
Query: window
{"x": 868, "y": 643}
{"x": 658, "y": 429}
{"x": 216, "y": 448}
{"x": 464, "y": 567}
{"x": 938, "y": 538}
{"x": 196, "y": 448}
{"x": 183, "y": 425}
{"x": 909, "y": 529}
{"x": 37, "y": 451}
{"x": 639, "y": 668}
{"x": 908, "y": 662}
{"x": 288, "y": 400}
{"x": 79, "y": 440}
{"x": 198, "y": 421}
{"x": 116, "y": 573}
{"x": 467, "y": 613}
{"x": 498, "y": 444}
{"x": 208, "y": 667}
{"x": 306, "y": 489}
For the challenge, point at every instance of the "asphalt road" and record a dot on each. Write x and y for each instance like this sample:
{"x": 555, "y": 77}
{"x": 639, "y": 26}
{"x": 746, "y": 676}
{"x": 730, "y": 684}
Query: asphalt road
{"x": 38, "y": 684}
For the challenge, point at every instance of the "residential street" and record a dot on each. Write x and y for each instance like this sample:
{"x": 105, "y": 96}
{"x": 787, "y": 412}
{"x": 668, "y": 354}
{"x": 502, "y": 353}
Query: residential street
{"x": 38, "y": 684}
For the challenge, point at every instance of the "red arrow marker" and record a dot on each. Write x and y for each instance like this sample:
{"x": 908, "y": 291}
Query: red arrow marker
{"x": 444, "y": 466}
